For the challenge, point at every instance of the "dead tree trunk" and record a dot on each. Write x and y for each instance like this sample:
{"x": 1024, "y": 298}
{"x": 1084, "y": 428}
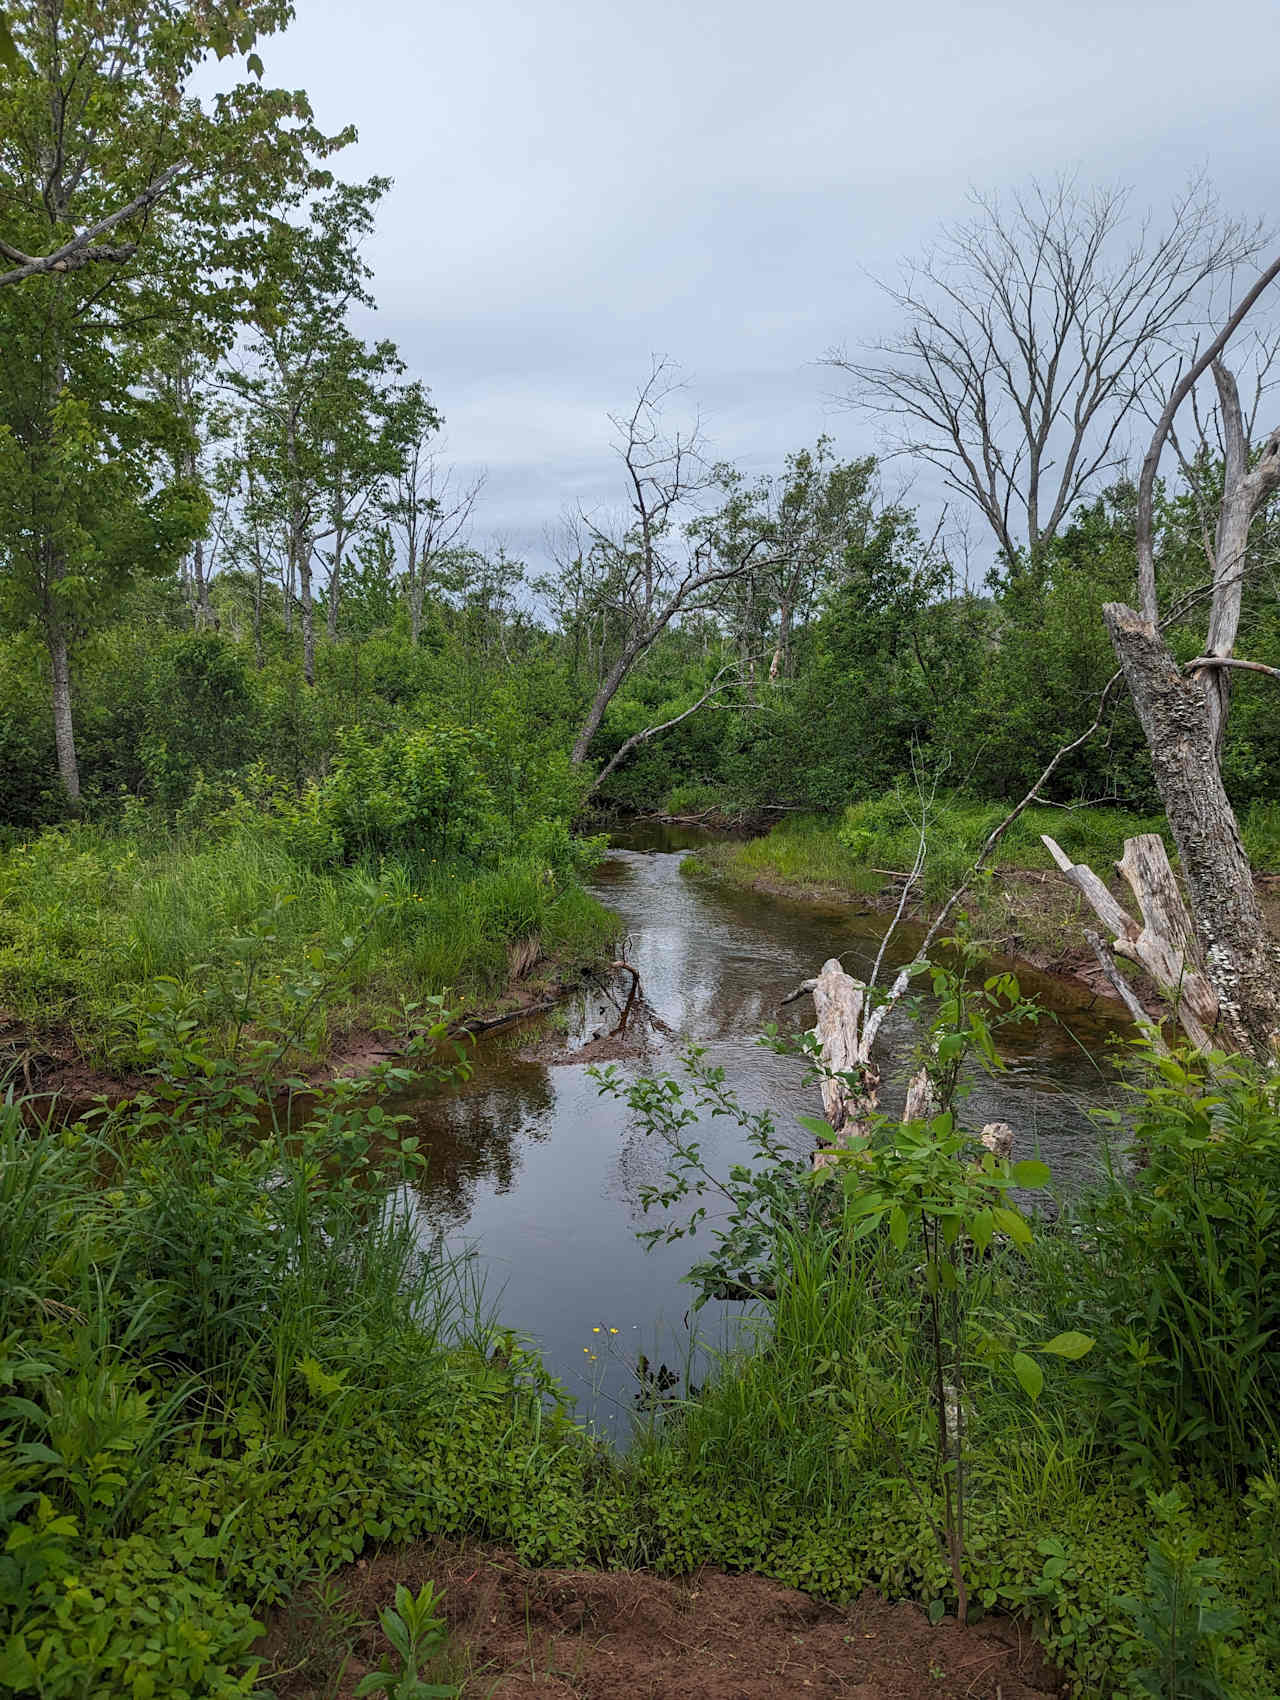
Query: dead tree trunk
{"x": 1163, "y": 943}
{"x": 846, "y": 1029}
{"x": 1181, "y": 732}
{"x": 847, "y": 1026}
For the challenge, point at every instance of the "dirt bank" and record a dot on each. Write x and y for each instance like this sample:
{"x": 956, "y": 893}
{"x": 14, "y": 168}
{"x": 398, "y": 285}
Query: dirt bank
{"x": 630, "y": 1635}
{"x": 48, "y": 1064}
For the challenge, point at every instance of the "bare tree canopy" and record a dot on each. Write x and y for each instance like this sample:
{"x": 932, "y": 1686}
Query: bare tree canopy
{"x": 1031, "y": 333}
{"x": 652, "y": 566}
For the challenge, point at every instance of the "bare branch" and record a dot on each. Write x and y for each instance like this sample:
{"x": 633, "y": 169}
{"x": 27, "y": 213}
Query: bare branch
{"x": 80, "y": 250}
{"x": 638, "y": 738}
{"x": 1031, "y": 331}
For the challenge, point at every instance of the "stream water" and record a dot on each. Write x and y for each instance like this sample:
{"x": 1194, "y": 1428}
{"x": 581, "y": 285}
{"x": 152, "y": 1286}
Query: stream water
{"x": 537, "y": 1176}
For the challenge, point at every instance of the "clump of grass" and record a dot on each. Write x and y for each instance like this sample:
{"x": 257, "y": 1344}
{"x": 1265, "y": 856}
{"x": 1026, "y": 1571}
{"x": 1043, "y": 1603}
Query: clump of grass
{"x": 802, "y": 852}
{"x": 699, "y": 797}
{"x": 90, "y": 918}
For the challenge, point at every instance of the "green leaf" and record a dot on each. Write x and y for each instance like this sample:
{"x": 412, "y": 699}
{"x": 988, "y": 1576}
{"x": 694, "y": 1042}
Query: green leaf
{"x": 1068, "y": 1345}
{"x": 9, "y": 55}
{"x": 898, "y": 1227}
{"x": 1029, "y": 1373}
{"x": 818, "y": 1128}
{"x": 1010, "y": 1222}
{"x": 937, "y": 1611}
{"x": 1030, "y": 1174}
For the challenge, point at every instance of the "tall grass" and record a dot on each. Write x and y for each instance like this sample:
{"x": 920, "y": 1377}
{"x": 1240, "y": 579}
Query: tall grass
{"x": 90, "y": 918}
{"x": 825, "y": 1401}
{"x": 802, "y": 852}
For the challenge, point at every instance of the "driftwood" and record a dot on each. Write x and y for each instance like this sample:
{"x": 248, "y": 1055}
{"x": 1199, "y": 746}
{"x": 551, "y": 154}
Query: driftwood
{"x": 1163, "y": 943}
{"x": 471, "y": 1027}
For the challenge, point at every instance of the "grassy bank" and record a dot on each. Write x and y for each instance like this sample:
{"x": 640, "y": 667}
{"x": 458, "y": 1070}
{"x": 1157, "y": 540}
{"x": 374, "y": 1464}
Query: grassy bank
{"x": 1020, "y": 907}
{"x": 103, "y": 931}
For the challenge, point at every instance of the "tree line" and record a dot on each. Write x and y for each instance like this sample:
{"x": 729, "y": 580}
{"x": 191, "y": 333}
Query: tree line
{"x": 196, "y": 439}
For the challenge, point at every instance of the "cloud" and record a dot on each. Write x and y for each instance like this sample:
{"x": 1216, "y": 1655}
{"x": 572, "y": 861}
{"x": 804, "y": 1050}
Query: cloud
{"x": 578, "y": 186}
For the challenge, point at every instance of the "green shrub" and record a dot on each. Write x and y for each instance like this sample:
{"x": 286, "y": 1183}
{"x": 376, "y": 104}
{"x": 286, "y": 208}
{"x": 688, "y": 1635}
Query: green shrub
{"x": 419, "y": 792}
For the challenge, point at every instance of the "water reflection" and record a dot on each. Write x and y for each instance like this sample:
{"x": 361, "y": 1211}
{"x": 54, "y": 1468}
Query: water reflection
{"x": 538, "y": 1173}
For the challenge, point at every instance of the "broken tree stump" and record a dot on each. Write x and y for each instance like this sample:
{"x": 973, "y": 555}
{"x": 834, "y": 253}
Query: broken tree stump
{"x": 1163, "y": 943}
{"x": 846, "y": 1029}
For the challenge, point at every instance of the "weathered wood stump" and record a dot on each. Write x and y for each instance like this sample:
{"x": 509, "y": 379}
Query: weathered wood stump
{"x": 1163, "y": 943}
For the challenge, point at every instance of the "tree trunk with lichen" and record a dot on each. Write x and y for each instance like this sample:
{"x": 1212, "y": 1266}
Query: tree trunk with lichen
{"x": 1239, "y": 956}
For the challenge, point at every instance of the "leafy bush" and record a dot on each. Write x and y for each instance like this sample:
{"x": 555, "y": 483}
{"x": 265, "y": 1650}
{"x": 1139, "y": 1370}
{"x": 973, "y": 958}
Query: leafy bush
{"x": 418, "y": 792}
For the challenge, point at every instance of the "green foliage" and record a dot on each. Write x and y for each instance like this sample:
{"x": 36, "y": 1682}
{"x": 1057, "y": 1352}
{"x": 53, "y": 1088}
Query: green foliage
{"x": 416, "y": 1633}
{"x": 420, "y": 792}
{"x": 1262, "y": 835}
{"x": 802, "y": 851}
{"x": 1178, "y": 1619}
{"x": 95, "y": 922}
{"x": 885, "y": 832}
{"x": 1183, "y": 1273}
{"x": 889, "y": 1420}
{"x": 226, "y": 1360}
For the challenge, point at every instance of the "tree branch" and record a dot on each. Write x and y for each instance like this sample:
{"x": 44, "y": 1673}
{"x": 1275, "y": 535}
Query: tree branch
{"x": 79, "y": 251}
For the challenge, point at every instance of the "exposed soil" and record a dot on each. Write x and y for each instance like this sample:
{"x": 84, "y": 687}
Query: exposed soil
{"x": 631, "y": 1635}
{"x": 49, "y": 1064}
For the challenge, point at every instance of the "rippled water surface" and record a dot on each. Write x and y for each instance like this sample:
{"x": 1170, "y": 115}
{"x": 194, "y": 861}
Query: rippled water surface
{"x": 536, "y": 1173}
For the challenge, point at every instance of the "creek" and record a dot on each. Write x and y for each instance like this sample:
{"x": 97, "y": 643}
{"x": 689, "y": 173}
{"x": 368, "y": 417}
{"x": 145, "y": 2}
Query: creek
{"x": 537, "y": 1176}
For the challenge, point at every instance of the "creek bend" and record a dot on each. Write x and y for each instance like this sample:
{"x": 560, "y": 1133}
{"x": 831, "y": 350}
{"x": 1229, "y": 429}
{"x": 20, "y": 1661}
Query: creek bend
{"x": 538, "y": 1177}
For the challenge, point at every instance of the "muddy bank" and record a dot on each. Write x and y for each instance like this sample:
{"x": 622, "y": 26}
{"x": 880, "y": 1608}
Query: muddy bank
{"x": 618, "y": 1635}
{"x": 51, "y": 1064}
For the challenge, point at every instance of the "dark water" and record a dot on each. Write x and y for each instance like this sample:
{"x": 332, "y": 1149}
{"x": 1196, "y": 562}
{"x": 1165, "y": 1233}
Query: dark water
{"x": 539, "y": 1175}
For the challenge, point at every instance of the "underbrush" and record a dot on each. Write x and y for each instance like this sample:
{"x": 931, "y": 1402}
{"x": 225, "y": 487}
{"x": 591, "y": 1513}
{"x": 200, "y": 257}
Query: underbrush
{"x": 92, "y": 918}
{"x": 230, "y": 1359}
{"x": 949, "y": 1400}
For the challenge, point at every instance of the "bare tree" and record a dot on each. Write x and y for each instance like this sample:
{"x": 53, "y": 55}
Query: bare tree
{"x": 1032, "y": 332}
{"x": 657, "y": 564}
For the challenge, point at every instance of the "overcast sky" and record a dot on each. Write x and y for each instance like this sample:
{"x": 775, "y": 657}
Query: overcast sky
{"x": 578, "y": 186}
